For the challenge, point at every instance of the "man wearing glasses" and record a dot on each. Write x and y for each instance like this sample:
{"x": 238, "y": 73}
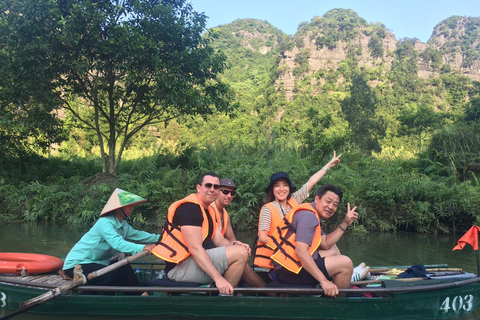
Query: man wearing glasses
{"x": 225, "y": 197}
{"x": 192, "y": 246}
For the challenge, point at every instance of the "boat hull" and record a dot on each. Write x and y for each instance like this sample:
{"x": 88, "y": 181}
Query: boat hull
{"x": 449, "y": 303}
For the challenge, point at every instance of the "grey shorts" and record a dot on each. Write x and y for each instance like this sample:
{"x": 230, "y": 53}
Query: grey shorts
{"x": 189, "y": 271}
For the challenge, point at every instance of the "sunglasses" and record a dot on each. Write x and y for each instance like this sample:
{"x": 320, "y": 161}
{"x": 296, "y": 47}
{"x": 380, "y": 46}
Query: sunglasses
{"x": 210, "y": 185}
{"x": 225, "y": 192}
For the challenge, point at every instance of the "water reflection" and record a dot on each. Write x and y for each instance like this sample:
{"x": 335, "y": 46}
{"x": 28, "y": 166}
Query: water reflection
{"x": 387, "y": 249}
{"x": 407, "y": 249}
{"x": 373, "y": 248}
{"x": 46, "y": 238}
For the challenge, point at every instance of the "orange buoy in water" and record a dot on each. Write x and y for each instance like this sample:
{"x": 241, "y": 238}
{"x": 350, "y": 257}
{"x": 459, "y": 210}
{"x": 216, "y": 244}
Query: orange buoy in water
{"x": 28, "y": 263}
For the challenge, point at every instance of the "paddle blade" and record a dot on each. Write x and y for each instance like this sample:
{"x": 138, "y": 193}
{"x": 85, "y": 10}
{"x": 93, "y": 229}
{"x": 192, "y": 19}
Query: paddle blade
{"x": 470, "y": 237}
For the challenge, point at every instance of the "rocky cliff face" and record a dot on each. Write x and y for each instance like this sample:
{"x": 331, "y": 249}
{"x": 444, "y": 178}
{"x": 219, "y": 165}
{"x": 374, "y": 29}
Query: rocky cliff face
{"x": 457, "y": 39}
{"x": 329, "y": 58}
{"x": 325, "y": 42}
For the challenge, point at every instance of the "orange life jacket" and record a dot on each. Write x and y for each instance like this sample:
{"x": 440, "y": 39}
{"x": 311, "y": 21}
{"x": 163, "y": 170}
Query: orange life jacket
{"x": 172, "y": 246}
{"x": 223, "y": 223}
{"x": 285, "y": 253}
{"x": 264, "y": 251}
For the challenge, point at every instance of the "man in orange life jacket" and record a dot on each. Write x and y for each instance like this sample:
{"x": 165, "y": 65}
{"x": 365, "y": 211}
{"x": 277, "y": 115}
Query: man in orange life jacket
{"x": 225, "y": 197}
{"x": 193, "y": 247}
{"x": 301, "y": 263}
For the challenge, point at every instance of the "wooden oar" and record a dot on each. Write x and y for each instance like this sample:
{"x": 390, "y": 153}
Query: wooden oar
{"x": 384, "y": 270}
{"x": 363, "y": 282}
{"x": 52, "y": 294}
{"x": 377, "y": 281}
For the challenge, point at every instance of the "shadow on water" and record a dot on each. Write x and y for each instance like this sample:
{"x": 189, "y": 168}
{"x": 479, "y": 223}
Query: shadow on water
{"x": 376, "y": 249}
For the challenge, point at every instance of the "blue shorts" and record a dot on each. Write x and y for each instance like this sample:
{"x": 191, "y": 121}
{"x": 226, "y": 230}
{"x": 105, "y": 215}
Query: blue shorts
{"x": 303, "y": 277}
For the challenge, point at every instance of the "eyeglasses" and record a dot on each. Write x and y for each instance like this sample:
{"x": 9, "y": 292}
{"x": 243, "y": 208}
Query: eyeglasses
{"x": 210, "y": 185}
{"x": 225, "y": 192}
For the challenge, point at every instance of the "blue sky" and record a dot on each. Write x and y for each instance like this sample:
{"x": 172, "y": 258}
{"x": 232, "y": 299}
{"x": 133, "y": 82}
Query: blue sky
{"x": 405, "y": 18}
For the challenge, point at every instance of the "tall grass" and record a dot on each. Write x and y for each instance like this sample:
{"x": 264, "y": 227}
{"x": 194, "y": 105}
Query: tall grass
{"x": 391, "y": 195}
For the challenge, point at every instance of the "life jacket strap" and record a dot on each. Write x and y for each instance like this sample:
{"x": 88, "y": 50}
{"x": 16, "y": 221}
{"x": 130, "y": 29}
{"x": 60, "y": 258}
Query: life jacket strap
{"x": 170, "y": 233}
{"x": 285, "y": 241}
{"x": 173, "y": 251}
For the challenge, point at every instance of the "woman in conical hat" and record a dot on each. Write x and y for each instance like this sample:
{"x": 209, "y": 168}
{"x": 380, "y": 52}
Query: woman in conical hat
{"x": 110, "y": 235}
{"x": 121, "y": 202}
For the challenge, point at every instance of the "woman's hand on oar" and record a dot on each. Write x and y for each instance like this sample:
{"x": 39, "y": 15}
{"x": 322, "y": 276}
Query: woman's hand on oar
{"x": 149, "y": 247}
{"x": 107, "y": 269}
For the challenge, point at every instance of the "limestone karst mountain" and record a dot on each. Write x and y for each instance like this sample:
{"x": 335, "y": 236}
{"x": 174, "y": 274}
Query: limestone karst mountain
{"x": 326, "y": 42}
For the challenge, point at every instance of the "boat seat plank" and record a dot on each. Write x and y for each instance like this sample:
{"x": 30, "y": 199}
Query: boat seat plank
{"x": 60, "y": 281}
{"x": 52, "y": 279}
{"x": 41, "y": 278}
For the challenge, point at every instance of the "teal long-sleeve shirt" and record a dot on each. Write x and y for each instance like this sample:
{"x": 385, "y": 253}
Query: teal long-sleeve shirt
{"x": 107, "y": 237}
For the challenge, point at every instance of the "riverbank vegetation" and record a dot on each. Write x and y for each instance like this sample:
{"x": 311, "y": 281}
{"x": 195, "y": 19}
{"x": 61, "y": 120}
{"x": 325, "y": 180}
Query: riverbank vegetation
{"x": 410, "y": 146}
{"x": 420, "y": 194}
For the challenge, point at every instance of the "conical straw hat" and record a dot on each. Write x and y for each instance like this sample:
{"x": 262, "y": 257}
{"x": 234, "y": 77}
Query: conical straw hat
{"x": 119, "y": 199}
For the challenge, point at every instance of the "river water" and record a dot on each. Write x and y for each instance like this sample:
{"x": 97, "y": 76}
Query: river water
{"x": 375, "y": 249}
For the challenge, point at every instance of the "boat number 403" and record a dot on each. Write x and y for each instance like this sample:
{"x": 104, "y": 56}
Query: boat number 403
{"x": 457, "y": 303}
{"x": 3, "y": 300}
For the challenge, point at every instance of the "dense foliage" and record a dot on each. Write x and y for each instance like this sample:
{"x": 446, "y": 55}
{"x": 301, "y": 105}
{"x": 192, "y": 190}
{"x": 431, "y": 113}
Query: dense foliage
{"x": 391, "y": 195}
{"x": 410, "y": 144}
{"x": 117, "y": 67}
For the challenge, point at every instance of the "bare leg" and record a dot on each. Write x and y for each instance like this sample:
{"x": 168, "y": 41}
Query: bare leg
{"x": 333, "y": 251}
{"x": 253, "y": 279}
{"x": 340, "y": 268}
{"x": 237, "y": 258}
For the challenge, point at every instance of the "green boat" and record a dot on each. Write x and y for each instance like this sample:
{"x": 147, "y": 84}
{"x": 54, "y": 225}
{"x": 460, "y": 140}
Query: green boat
{"x": 450, "y": 296}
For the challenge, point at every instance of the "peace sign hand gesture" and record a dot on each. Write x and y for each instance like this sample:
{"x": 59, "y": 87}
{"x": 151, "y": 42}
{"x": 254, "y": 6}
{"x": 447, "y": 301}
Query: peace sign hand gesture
{"x": 351, "y": 215}
{"x": 334, "y": 161}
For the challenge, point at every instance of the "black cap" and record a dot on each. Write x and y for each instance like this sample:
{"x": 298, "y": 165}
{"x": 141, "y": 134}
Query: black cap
{"x": 225, "y": 182}
{"x": 280, "y": 175}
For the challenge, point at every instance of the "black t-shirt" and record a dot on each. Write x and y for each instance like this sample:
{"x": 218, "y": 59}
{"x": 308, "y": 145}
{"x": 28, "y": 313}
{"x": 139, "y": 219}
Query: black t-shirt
{"x": 190, "y": 214}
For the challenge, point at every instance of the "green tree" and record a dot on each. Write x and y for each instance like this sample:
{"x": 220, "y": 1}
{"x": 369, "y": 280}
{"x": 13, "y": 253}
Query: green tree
{"x": 26, "y": 127}
{"x": 375, "y": 45}
{"x": 118, "y": 66}
{"x": 27, "y": 118}
{"x": 455, "y": 151}
{"x": 472, "y": 110}
{"x": 403, "y": 75}
{"x": 433, "y": 57}
{"x": 335, "y": 25}
{"x": 419, "y": 120}
{"x": 359, "y": 110}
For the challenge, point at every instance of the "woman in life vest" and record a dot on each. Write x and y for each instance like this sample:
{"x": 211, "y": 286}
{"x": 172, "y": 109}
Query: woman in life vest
{"x": 281, "y": 198}
{"x": 297, "y": 260}
{"x": 110, "y": 235}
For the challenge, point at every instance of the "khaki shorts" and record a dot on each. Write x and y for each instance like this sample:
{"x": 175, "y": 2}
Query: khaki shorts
{"x": 189, "y": 271}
